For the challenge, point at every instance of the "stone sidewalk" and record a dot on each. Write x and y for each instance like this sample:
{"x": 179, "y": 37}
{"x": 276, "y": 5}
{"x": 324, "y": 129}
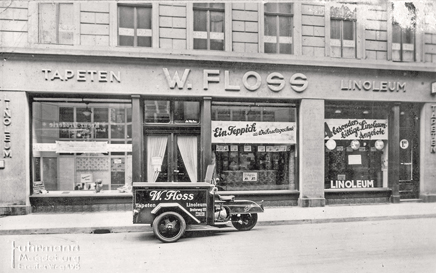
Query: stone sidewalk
{"x": 121, "y": 221}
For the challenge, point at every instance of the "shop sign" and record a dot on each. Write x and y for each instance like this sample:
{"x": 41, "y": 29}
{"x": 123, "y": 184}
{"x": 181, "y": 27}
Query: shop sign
{"x": 251, "y": 80}
{"x": 7, "y": 121}
{"x": 81, "y": 147}
{"x": 253, "y": 132}
{"x": 54, "y": 147}
{"x": 348, "y": 184}
{"x": 82, "y": 75}
{"x": 433, "y": 129}
{"x": 404, "y": 144}
{"x": 374, "y": 86}
{"x": 249, "y": 177}
{"x": 356, "y": 129}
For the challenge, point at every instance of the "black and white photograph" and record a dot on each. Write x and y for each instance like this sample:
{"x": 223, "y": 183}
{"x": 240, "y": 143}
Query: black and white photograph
{"x": 218, "y": 136}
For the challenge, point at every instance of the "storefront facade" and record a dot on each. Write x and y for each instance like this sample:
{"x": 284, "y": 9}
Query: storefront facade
{"x": 289, "y": 131}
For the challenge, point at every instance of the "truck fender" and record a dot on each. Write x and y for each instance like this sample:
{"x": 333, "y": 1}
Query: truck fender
{"x": 244, "y": 207}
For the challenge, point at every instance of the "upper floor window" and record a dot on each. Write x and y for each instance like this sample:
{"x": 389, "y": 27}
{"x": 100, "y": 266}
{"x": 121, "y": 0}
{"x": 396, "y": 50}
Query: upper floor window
{"x": 56, "y": 23}
{"x": 278, "y": 28}
{"x": 343, "y": 31}
{"x": 209, "y": 26}
{"x": 403, "y": 32}
{"x": 134, "y": 26}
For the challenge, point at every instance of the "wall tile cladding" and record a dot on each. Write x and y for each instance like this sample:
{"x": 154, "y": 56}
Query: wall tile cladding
{"x": 172, "y": 26}
{"x": 313, "y": 29}
{"x": 245, "y": 27}
{"x": 94, "y": 24}
{"x": 376, "y": 33}
{"x": 13, "y": 23}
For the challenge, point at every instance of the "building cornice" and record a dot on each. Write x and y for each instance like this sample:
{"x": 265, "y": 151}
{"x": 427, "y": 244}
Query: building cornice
{"x": 155, "y": 55}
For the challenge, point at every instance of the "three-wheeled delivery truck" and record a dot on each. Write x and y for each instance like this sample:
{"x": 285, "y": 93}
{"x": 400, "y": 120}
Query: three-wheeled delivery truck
{"x": 175, "y": 207}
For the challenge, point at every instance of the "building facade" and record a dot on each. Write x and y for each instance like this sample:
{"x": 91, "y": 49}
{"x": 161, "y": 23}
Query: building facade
{"x": 296, "y": 103}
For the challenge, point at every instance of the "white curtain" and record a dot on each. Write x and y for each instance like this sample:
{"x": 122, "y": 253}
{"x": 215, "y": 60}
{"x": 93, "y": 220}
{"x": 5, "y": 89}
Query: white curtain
{"x": 188, "y": 150}
{"x": 156, "y": 146}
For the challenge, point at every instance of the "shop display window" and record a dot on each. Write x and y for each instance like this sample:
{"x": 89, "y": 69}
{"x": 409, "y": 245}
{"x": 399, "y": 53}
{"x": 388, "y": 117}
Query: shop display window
{"x": 356, "y": 146}
{"x": 254, "y": 146}
{"x": 76, "y": 144}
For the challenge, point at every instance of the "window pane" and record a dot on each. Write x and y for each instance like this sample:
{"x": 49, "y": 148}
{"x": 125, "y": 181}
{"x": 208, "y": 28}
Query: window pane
{"x": 408, "y": 36}
{"x": 186, "y": 112}
{"x": 144, "y": 41}
{"x": 270, "y": 48}
{"x": 101, "y": 115}
{"x": 117, "y": 115}
{"x": 216, "y": 21}
{"x": 66, "y": 114}
{"x": 335, "y": 29}
{"x": 81, "y": 117}
{"x": 348, "y": 30}
{"x": 285, "y": 48}
{"x": 216, "y": 5}
{"x": 216, "y": 45}
{"x": 126, "y": 40}
{"x": 200, "y": 44}
{"x": 285, "y": 8}
{"x": 270, "y": 26}
{"x": 201, "y": 5}
{"x": 157, "y": 111}
{"x": 47, "y": 23}
{"x": 396, "y": 33}
{"x": 126, "y": 17}
{"x": 144, "y": 18}
{"x": 285, "y": 26}
{"x": 66, "y": 24}
{"x": 200, "y": 20}
{"x": 271, "y": 7}
{"x": 336, "y": 12}
{"x": 101, "y": 131}
{"x": 118, "y": 131}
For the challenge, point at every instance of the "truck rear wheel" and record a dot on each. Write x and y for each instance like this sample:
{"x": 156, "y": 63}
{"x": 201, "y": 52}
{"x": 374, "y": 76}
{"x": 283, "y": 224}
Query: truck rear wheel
{"x": 244, "y": 222}
{"x": 169, "y": 226}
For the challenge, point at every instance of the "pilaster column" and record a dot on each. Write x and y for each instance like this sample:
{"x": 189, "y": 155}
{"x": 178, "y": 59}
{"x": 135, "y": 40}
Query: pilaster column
{"x": 137, "y": 140}
{"x": 311, "y": 153}
{"x": 394, "y": 153}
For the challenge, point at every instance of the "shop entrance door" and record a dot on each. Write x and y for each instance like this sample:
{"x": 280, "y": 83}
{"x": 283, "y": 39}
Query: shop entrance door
{"x": 172, "y": 157}
{"x": 409, "y": 152}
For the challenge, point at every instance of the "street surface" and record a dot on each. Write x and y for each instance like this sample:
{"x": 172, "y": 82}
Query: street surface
{"x": 377, "y": 246}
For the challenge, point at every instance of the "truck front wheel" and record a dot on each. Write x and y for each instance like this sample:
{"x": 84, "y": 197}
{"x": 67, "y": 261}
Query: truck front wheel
{"x": 169, "y": 226}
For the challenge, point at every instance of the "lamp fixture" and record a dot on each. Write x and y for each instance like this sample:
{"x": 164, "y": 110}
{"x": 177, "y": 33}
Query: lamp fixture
{"x": 366, "y": 112}
{"x": 87, "y": 112}
{"x": 338, "y": 111}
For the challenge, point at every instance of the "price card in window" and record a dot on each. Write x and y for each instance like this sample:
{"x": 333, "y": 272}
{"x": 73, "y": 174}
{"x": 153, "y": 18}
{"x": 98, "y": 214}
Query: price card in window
{"x": 249, "y": 177}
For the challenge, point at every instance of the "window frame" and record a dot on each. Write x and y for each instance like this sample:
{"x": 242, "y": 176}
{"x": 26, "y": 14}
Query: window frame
{"x": 148, "y": 32}
{"x": 276, "y": 39}
{"x": 341, "y": 42}
{"x": 402, "y": 33}
{"x": 57, "y": 20}
{"x": 200, "y": 34}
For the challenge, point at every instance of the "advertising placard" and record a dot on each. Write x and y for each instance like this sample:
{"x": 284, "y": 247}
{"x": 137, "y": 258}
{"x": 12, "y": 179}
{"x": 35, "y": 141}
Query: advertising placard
{"x": 253, "y": 132}
{"x": 341, "y": 129}
{"x": 193, "y": 201}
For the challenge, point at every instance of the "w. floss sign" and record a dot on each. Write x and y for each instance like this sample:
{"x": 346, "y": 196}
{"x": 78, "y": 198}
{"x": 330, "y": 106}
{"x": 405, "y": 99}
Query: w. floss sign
{"x": 253, "y": 132}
